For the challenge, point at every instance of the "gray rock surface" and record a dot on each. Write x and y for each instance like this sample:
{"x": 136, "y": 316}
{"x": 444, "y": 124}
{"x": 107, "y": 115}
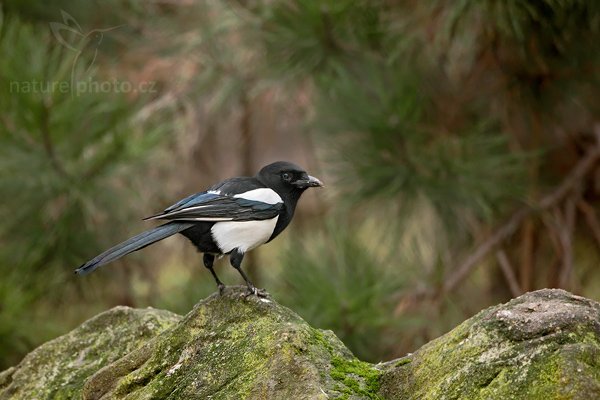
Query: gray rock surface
{"x": 58, "y": 369}
{"x": 542, "y": 345}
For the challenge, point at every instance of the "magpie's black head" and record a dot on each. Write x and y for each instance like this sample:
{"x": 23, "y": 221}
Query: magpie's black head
{"x": 285, "y": 177}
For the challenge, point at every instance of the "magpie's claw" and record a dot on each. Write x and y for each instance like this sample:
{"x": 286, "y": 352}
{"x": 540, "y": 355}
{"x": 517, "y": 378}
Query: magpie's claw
{"x": 221, "y": 288}
{"x": 253, "y": 291}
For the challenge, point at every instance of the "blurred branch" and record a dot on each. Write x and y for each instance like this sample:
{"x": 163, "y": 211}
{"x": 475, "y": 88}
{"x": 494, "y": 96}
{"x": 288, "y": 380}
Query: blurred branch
{"x": 590, "y": 218}
{"x": 23, "y": 136}
{"x": 508, "y": 273}
{"x": 47, "y": 141}
{"x": 552, "y": 230}
{"x": 505, "y": 231}
{"x": 565, "y": 235}
{"x": 526, "y": 269}
{"x": 574, "y": 178}
{"x": 165, "y": 101}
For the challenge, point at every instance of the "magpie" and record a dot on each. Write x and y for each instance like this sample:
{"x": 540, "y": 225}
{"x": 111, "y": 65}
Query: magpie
{"x": 231, "y": 218}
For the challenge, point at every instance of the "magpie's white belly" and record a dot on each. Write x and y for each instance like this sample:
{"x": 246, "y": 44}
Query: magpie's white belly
{"x": 242, "y": 235}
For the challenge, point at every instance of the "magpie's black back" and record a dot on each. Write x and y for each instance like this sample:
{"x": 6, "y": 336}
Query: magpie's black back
{"x": 231, "y": 217}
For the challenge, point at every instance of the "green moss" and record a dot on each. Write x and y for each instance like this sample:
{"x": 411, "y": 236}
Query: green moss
{"x": 543, "y": 345}
{"x": 353, "y": 377}
{"x": 232, "y": 347}
{"x": 318, "y": 338}
{"x": 361, "y": 377}
{"x": 59, "y": 368}
{"x": 402, "y": 361}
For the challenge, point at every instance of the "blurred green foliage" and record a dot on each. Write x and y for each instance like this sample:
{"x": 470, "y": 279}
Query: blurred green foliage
{"x": 432, "y": 122}
{"x": 466, "y": 107}
{"x": 61, "y": 149}
{"x": 340, "y": 283}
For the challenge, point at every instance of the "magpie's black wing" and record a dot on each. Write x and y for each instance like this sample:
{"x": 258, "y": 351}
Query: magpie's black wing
{"x": 232, "y": 200}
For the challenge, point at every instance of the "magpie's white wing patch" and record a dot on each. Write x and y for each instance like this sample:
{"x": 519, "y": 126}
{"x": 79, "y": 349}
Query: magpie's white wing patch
{"x": 264, "y": 195}
{"x": 214, "y": 206}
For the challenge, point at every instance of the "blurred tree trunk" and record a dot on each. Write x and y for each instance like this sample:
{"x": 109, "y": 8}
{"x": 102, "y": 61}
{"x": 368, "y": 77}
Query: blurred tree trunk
{"x": 247, "y": 157}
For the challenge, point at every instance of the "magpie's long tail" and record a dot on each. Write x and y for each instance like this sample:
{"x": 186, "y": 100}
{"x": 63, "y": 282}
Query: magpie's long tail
{"x": 135, "y": 243}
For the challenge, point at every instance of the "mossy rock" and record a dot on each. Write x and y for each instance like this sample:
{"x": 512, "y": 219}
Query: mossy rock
{"x": 230, "y": 346}
{"x": 59, "y": 368}
{"x": 542, "y": 345}
{"x": 234, "y": 346}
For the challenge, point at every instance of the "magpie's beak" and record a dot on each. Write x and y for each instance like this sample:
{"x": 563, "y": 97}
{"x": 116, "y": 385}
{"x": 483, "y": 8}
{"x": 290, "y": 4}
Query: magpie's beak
{"x": 310, "y": 181}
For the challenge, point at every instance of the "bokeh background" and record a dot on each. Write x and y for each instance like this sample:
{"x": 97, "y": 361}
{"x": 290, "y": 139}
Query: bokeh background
{"x": 458, "y": 140}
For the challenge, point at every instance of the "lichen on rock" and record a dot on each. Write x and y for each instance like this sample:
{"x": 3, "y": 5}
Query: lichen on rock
{"x": 58, "y": 369}
{"x": 233, "y": 346}
{"x": 542, "y": 345}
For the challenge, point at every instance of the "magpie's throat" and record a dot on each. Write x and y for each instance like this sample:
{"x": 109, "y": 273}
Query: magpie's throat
{"x": 290, "y": 199}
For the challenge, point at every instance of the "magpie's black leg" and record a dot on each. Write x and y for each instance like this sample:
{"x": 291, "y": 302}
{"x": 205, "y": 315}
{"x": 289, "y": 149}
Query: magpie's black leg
{"x": 235, "y": 258}
{"x": 209, "y": 259}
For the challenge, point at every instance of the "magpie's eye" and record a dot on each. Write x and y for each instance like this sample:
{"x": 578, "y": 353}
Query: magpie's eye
{"x": 286, "y": 176}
